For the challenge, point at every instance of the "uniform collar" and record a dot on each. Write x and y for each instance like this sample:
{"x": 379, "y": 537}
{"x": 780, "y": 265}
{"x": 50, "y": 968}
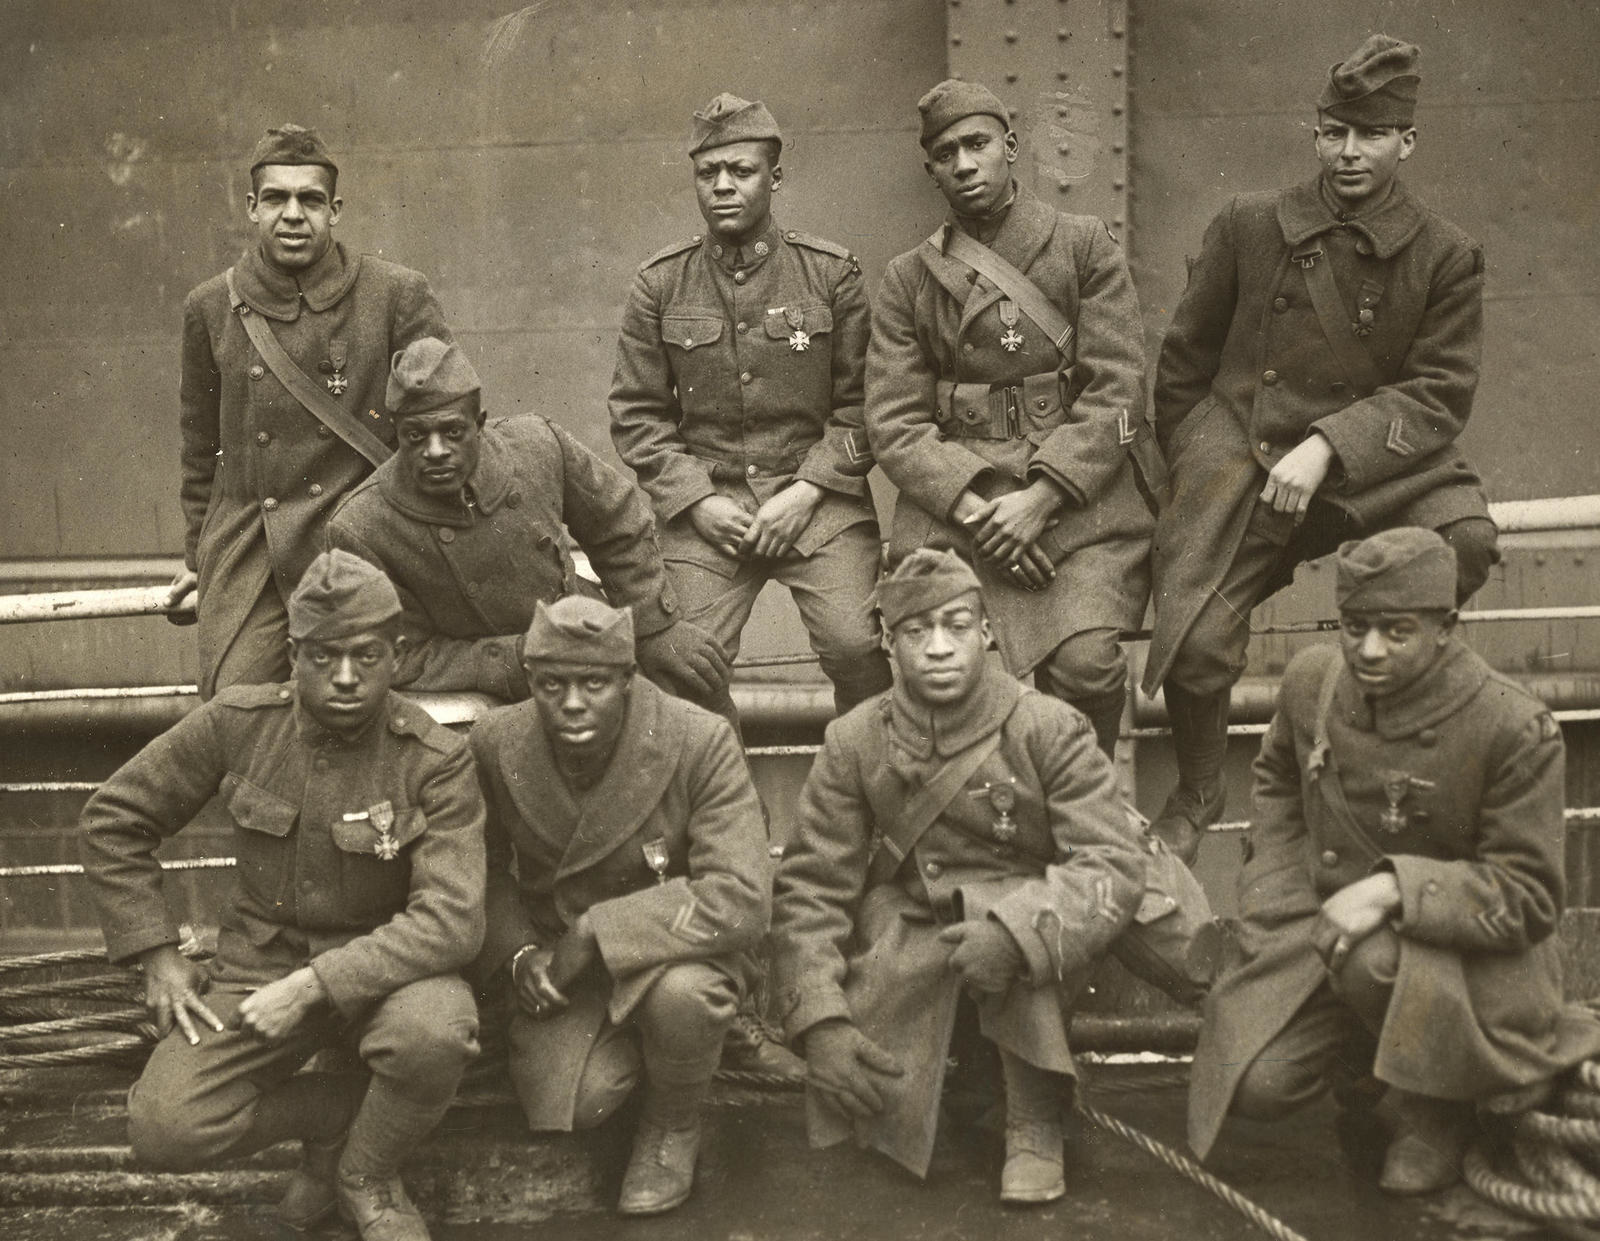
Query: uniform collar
{"x": 751, "y": 255}
{"x": 946, "y": 731}
{"x": 278, "y": 295}
{"x": 490, "y": 483}
{"x": 314, "y": 735}
{"x": 1304, "y": 213}
{"x": 1026, "y": 227}
{"x": 1453, "y": 681}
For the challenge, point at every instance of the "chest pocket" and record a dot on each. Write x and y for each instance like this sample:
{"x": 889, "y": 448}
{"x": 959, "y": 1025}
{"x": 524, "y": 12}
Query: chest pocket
{"x": 359, "y": 836}
{"x": 798, "y": 362}
{"x": 690, "y": 333}
{"x": 255, "y": 809}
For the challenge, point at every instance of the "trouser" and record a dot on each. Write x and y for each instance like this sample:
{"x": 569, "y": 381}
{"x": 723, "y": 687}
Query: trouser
{"x": 1090, "y": 671}
{"x": 1331, "y": 1039}
{"x": 1212, "y": 655}
{"x": 257, "y": 653}
{"x": 195, "y": 1105}
{"x": 832, "y": 588}
{"x": 673, "y": 1037}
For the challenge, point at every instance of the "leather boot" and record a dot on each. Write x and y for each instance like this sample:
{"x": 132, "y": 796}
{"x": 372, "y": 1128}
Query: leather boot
{"x": 1035, "y": 1167}
{"x": 1200, "y": 742}
{"x": 661, "y": 1169}
{"x": 388, "y": 1127}
{"x": 1426, "y": 1153}
{"x": 310, "y": 1197}
{"x": 316, "y": 1108}
{"x": 750, "y": 1047}
{"x": 1105, "y": 714}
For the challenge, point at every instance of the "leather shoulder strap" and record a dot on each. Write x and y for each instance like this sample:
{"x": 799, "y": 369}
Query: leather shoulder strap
{"x": 1347, "y": 349}
{"x": 1014, "y": 285}
{"x": 900, "y": 837}
{"x": 301, "y": 386}
{"x": 1327, "y": 778}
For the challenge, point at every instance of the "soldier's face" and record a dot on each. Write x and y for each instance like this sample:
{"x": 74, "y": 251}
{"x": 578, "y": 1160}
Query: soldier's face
{"x": 734, "y": 185}
{"x": 581, "y": 706}
{"x": 294, "y": 210}
{"x": 439, "y": 450}
{"x": 971, "y": 162}
{"x": 341, "y": 682}
{"x": 1387, "y": 651}
{"x": 939, "y": 654}
{"x": 1359, "y": 162}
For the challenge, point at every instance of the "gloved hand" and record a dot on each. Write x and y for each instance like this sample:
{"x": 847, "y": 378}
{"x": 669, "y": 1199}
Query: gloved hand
{"x": 685, "y": 658}
{"x": 847, "y": 1068}
{"x": 986, "y": 956}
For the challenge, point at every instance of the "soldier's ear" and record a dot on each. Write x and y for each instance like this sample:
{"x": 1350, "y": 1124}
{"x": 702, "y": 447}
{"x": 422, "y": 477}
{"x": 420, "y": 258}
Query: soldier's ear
{"x": 335, "y": 208}
{"x": 250, "y": 205}
{"x": 1012, "y": 146}
{"x": 986, "y": 632}
{"x": 1408, "y": 141}
{"x": 1448, "y": 625}
{"x": 777, "y": 177}
{"x": 294, "y": 649}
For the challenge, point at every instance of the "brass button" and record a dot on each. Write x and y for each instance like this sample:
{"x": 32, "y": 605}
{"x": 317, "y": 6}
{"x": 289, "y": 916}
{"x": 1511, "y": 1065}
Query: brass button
{"x": 315, "y": 489}
{"x": 1430, "y": 887}
{"x": 283, "y": 694}
{"x": 745, "y": 377}
{"x": 1280, "y": 304}
{"x": 1265, "y": 447}
{"x": 257, "y": 371}
{"x": 967, "y": 348}
{"x": 322, "y": 431}
{"x": 1428, "y": 737}
{"x": 1044, "y": 403}
{"x": 933, "y": 870}
{"x": 446, "y": 535}
{"x": 742, "y": 328}
{"x": 717, "y": 251}
{"x": 1330, "y": 858}
{"x": 514, "y": 500}
{"x": 1270, "y": 378}
{"x": 738, "y": 277}
{"x": 474, "y": 589}
{"x": 750, "y": 471}
{"x": 270, "y": 504}
{"x": 262, "y": 437}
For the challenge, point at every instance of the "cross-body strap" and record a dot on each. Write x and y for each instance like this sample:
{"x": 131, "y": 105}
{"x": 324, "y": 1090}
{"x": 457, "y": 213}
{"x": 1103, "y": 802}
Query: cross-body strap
{"x": 901, "y": 836}
{"x": 1327, "y": 772}
{"x": 969, "y": 250}
{"x": 301, "y": 386}
{"x": 1337, "y": 328}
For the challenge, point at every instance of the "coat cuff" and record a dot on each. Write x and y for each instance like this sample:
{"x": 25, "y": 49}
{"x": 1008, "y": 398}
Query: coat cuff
{"x": 500, "y": 668}
{"x": 634, "y": 932}
{"x": 1075, "y": 493}
{"x": 653, "y": 616}
{"x": 1428, "y": 911}
{"x": 126, "y": 943}
{"x": 341, "y": 979}
{"x": 1039, "y": 933}
{"x": 802, "y": 1007}
{"x": 956, "y": 471}
{"x": 1358, "y": 469}
{"x": 675, "y": 500}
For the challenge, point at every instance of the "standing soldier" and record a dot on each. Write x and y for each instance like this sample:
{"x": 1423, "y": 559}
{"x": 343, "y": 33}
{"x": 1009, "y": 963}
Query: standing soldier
{"x": 285, "y": 357}
{"x": 960, "y": 833}
{"x": 360, "y": 843}
{"x": 737, "y": 402}
{"x": 1400, "y": 904}
{"x": 1004, "y": 397}
{"x": 640, "y": 892}
{"x": 1311, "y": 387}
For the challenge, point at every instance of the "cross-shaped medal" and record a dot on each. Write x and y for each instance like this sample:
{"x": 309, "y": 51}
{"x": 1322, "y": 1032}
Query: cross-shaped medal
{"x": 799, "y": 340}
{"x": 337, "y": 383}
{"x": 1011, "y": 340}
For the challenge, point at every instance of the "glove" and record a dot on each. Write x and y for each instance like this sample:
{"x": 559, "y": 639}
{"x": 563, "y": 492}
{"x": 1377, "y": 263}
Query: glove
{"x": 986, "y": 956}
{"x": 846, "y": 1068}
{"x": 685, "y": 659}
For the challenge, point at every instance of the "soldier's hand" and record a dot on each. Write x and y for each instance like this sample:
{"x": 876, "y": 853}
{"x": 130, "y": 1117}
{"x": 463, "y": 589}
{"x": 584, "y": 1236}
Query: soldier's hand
{"x": 1295, "y": 479}
{"x": 184, "y": 585}
{"x": 720, "y": 522}
{"x": 1353, "y": 913}
{"x": 984, "y": 954}
{"x": 273, "y": 1011}
{"x": 1008, "y": 525}
{"x": 781, "y": 520}
{"x": 173, "y": 985}
{"x": 530, "y": 981}
{"x": 1033, "y": 570}
{"x": 686, "y": 658}
{"x": 847, "y": 1068}
{"x": 573, "y": 954}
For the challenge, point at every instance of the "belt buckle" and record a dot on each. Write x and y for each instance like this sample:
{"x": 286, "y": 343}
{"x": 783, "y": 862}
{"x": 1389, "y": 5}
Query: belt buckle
{"x": 1013, "y": 397}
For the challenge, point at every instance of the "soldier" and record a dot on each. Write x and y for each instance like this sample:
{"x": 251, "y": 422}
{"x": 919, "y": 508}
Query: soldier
{"x": 1004, "y": 395}
{"x": 360, "y": 845}
{"x": 1404, "y": 882}
{"x": 737, "y": 402}
{"x": 467, "y": 520}
{"x": 285, "y": 356}
{"x": 640, "y": 893}
{"x": 958, "y": 833}
{"x": 1311, "y": 387}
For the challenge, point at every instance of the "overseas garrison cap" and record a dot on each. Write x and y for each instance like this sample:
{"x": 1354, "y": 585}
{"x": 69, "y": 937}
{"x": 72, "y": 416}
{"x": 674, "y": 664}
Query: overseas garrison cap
{"x": 925, "y": 579}
{"x": 1376, "y": 85}
{"x": 580, "y": 630}
{"x": 340, "y": 594}
{"x": 427, "y": 375}
{"x": 727, "y": 118}
{"x": 954, "y": 100}
{"x": 1407, "y": 569}
{"x": 291, "y": 144}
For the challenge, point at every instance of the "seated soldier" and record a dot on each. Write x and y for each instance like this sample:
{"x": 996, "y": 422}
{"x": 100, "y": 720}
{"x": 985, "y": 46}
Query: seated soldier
{"x": 360, "y": 847}
{"x": 467, "y": 520}
{"x": 958, "y": 833}
{"x": 1404, "y": 882}
{"x": 640, "y": 891}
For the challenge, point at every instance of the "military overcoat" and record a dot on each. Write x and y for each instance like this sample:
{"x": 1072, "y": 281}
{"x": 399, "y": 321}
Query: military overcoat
{"x": 677, "y": 780}
{"x": 936, "y": 320}
{"x": 737, "y": 380}
{"x": 318, "y": 883}
{"x": 261, "y": 474}
{"x": 468, "y": 577}
{"x": 1246, "y": 373}
{"x": 1473, "y": 764}
{"x": 856, "y": 938}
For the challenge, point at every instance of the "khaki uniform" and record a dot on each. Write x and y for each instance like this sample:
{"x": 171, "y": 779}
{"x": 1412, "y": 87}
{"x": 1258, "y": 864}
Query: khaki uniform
{"x": 677, "y": 779}
{"x": 856, "y": 938}
{"x": 260, "y": 473}
{"x": 1455, "y": 784}
{"x": 738, "y": 372}
{"x": 469, "y": 577}
{"x": 384, "y": 934}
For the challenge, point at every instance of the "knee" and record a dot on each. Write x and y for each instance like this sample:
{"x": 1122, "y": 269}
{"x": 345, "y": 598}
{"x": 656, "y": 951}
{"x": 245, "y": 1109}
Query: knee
{"x": 167, "y": 1132}
{"x": 1366, "y": 979}
{"x": 1272, "y": 1089}
{"x": 1087, "y": 665}
{"x": 696, "y": 1002}
{"x": 608, "y": 1078}
{"x": 423, "y": 1044}
{"x": 1477, "y": 548}
{"x": 1211, "y": 656}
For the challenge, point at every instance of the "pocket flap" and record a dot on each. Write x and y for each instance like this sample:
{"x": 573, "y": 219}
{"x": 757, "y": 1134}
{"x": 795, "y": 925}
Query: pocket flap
{"x": 361, "y": 836}
{"x": 690, "y": 333}
{"x": 814, "y": 321}
{"x": 255, "y": 809}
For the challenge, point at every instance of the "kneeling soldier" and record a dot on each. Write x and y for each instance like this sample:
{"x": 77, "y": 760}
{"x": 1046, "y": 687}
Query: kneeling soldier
{"x": 958, "y": 832}
{"x": 640, "y": 891}
{"x": 1404, "y": 882}
{"x": 360, "y": 845}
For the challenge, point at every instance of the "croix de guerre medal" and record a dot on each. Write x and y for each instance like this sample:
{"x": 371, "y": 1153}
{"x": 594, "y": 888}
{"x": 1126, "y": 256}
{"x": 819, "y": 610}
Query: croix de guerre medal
{"x": 799, "y": 338}
{"x": 655, "y": 857}
{"x": 381, "y": 817}
{"x": 1010, "y": 339}
{"x": 1002, "y": 800}
{"x": 338, "y": 355}
{"x": 1396, "y": 784}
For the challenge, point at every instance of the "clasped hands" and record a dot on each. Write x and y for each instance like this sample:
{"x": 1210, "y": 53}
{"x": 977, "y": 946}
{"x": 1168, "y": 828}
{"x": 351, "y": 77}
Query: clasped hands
{"x": 1006, "y": 530}
{"x": 768, "y": 533}
{"x": 1353, "y": 913}
{"x": 540, "y": 978}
